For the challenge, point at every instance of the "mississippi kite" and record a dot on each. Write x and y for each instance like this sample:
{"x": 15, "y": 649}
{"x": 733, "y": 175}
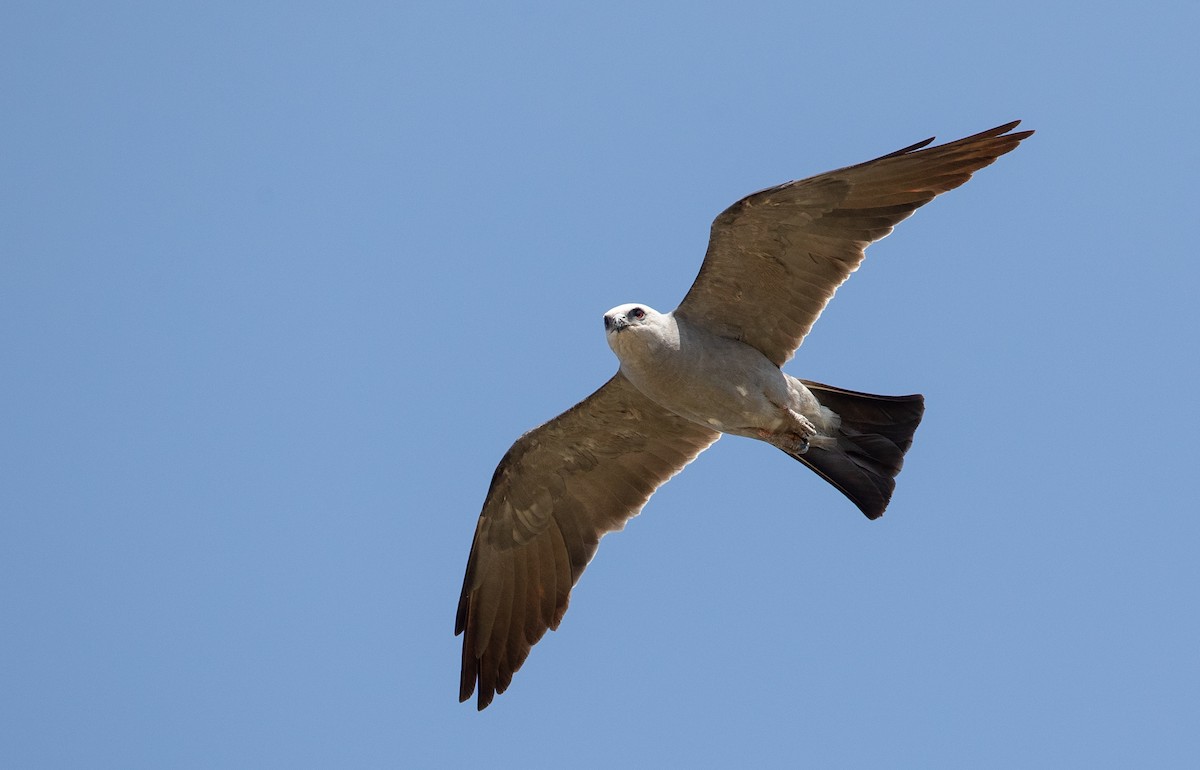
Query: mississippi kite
{"x": 711, "y": 366}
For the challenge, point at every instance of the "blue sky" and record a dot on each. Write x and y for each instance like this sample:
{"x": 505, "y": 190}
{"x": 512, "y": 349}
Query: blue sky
{"x": 280, "y": 283}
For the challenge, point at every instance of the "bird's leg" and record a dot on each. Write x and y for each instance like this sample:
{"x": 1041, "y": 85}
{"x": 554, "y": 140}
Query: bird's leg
{"x": 795, "y": 438}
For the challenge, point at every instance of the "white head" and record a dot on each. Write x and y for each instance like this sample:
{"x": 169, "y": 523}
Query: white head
{"x": 636, "y": 327}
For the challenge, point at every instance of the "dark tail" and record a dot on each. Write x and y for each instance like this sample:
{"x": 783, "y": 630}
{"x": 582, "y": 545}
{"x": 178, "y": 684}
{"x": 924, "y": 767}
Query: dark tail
{"x": 875, "y": 433}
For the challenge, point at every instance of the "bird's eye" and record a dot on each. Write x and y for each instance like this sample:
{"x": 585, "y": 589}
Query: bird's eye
{"x": 637, "y": 314}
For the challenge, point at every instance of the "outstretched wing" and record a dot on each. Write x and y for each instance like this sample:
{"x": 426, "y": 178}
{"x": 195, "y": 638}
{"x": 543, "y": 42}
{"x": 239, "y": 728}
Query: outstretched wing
{"x": 557, "y": 491}
{"x": 775, "y": 258}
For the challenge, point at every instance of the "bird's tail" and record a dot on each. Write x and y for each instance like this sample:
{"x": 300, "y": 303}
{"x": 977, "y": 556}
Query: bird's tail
{"x": 875, "y": 433}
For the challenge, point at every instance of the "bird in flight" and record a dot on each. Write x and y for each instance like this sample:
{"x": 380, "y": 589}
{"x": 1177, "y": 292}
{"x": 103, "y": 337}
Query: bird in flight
{"x": 711, "y": 366}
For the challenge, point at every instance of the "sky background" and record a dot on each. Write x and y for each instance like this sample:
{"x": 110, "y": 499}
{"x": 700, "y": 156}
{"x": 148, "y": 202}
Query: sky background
{"x": 281, "y": 282}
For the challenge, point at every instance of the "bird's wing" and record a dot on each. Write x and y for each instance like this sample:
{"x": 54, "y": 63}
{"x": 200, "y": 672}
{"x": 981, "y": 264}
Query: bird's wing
{"x": 557, "y": 491}
{"x": 776, "y": 257}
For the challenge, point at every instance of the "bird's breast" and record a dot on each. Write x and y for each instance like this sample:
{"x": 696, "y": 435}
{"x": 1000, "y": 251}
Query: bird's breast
{"x": 721, "y": 384}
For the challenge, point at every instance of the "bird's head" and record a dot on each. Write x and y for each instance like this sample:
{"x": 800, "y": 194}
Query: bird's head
{"x": 635, "y": 327}
{"x": 629, "y": 317}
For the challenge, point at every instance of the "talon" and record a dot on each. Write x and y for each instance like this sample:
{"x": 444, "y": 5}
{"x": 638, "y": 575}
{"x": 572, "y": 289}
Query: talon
{"x": 803, "y": 446}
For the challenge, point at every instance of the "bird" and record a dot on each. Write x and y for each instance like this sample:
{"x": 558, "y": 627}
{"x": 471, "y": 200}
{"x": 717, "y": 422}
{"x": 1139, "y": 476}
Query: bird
{"x": 710, "y": 367}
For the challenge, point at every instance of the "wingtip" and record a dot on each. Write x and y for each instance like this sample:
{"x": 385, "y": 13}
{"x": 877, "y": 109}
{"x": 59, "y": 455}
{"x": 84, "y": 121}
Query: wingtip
{"x": 906, "y": 150}
{"x": 1010, "y": 126}
{"x": 483, "y": 697}
{"x": 484, "y": 700}
{"x": 999, "y": 132}
{"x": 1003, "y": 131}
{"x": 481, "y": 702}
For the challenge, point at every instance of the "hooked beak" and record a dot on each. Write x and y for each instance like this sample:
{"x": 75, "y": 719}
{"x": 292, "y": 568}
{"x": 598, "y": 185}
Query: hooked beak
{"x": 614, "y": 323}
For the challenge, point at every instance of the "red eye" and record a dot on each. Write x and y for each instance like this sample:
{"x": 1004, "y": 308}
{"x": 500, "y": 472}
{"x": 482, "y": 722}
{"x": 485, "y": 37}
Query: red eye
{"x": 637, "y": 314}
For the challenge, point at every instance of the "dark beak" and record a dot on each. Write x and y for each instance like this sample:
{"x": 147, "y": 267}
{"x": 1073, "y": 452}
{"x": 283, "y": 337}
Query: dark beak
{"x": 614, "y": 324}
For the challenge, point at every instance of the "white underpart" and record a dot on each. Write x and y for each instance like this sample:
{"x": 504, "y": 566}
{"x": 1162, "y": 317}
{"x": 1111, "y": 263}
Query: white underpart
{"x": 715, "y": 381}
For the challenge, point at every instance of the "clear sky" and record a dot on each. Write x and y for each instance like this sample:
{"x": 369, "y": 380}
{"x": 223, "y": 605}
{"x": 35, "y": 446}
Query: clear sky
{"x": 281, "y": 282}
